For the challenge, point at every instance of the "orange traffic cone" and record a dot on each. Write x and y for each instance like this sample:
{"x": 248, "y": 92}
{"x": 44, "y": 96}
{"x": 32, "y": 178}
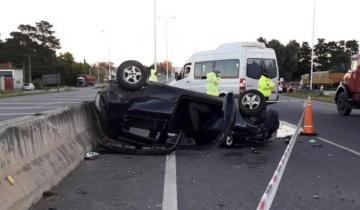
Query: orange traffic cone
{"x": 308, "y": 120}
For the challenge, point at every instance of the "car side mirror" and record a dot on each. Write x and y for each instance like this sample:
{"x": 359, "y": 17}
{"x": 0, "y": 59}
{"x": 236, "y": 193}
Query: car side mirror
{"x": 187, "y": 69}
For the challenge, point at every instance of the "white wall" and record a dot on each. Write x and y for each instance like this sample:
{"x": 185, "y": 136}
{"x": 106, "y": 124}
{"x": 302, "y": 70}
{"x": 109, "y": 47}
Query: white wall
{"x": 18, "y": 78}
{"x": 18, "y": 75}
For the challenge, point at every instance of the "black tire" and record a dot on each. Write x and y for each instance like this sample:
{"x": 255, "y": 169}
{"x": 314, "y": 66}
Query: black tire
{"x": 252, "y": 102}
{"x": 131, "y": 75}
{"x": 229, "y": 142}
{"x": 271, "y": 122}
{"x": 343, "y": 105}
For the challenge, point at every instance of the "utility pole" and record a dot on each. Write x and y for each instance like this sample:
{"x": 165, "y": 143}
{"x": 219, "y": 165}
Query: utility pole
{"x": 155, "y": 65}
{"x": 109, "y": 71}
{"x": 167, "y": 56}
{"x": 85, "y": 67}
{"x": 166, "y": 19}
{"x": 312, "y": 51}
{"x": 30, "y": 80}
{"x": 98, "y": 79}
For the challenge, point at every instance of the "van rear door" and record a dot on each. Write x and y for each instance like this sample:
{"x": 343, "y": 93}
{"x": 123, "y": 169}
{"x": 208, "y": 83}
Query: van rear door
{"x": 256, "y": 64}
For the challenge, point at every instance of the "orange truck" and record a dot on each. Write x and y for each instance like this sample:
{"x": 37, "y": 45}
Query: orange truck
{"x": 325, "y": 78}
{"x": 347, "y": 95}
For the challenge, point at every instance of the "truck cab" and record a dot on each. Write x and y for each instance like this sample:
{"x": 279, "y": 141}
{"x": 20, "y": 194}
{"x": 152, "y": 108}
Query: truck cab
{"x": 348, "y": 93}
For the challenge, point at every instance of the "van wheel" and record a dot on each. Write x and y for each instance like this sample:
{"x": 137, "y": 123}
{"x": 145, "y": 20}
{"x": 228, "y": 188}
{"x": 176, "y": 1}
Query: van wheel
{"x": 252, "y": 102}
{"x": 131, "y": 75}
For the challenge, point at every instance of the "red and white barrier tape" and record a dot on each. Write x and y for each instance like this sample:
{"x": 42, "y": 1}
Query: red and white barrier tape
{"x": 269, "y": 194}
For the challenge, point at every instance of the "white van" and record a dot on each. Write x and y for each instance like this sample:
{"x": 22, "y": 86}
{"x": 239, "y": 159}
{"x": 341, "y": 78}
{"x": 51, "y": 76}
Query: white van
{"x": 240, "y": 64}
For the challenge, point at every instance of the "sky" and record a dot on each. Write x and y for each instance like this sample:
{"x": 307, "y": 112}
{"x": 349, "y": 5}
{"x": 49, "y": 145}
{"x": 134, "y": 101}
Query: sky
{"x": 118, "y": 30}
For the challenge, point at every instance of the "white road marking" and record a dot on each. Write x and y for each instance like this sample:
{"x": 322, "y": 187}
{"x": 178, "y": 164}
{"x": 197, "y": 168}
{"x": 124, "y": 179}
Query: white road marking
{"x": 48, "y": 99}
{"x": 339, "y": 146}
{"x": 35, "y": 103}
{"x": 22, "y": 113}
{"x": 170, "y": 189}
{"x": 32, "y": 107}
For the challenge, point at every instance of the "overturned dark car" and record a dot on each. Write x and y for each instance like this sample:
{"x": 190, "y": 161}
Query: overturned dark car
{"x": 140, "y": 117}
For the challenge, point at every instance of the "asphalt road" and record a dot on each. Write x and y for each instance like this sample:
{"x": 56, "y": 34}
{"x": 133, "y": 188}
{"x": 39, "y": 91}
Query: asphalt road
{"x": 318, "y": 175}
{"x": 29, "y": 105}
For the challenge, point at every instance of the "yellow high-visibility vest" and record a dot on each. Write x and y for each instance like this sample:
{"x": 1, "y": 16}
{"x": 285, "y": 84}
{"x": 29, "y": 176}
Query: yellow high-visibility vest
{"x": 265, "y": 86}
{"x": 153, "y": 77}
{"x": 212, "y": 84}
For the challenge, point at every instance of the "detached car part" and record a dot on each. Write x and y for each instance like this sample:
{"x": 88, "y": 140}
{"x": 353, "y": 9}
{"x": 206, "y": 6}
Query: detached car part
{"x": 137, "y": 117}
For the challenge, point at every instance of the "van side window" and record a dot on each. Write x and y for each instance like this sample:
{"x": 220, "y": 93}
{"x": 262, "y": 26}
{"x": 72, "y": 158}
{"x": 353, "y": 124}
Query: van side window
{"x": 202, "y": 68}
{"x": 256, "y": 66}
{"x": 270, "y": 67}
{"x": 254, "y": 69}
{"x": 228, "y": 68}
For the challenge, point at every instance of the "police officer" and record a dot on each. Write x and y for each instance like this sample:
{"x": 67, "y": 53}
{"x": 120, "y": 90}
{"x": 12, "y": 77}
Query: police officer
{"x": 153, "y": 77}
{"x": 265, "y": 85}
{"x": 212, "y": 83}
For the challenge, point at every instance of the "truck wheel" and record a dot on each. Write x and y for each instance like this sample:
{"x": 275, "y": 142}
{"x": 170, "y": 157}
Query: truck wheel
{"x": 131, "y": 75}
{"x": 252, "y": 102}
{"x": 343, "y": 105}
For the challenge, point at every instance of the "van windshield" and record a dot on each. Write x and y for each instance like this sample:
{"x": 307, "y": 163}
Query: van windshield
{"x": 256, "y": 66}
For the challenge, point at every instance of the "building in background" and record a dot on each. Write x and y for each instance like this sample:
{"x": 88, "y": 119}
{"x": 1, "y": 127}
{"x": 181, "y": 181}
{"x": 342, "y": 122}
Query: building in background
{"x": 13, "y": 78}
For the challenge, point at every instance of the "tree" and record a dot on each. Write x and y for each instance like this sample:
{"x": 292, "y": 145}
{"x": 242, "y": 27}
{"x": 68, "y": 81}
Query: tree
{"x": 280, "y": 54}
{"x": 35, "y": 44}
{"x": 322, "y": 55}
{"x": 45, "y": 36}
{"x": 66, "y": 57}
{"x": 163, "y": 66}
{"x": 304, "y": 59}
{"x": 352, "y": 47}
{"x": 291, "y": 60}
{"x": 42, "y": 34}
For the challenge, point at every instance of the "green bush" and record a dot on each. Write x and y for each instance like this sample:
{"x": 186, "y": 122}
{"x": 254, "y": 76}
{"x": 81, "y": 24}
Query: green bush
{"x": 38, "y": 83}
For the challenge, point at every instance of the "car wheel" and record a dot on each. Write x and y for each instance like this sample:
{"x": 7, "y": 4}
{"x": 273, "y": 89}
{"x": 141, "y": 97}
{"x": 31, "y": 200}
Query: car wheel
{"x": 252, "y": 102}
{"x": 229, "y": 141}
{"x": 343, "y": 105}
{"x": 131, "y": 75}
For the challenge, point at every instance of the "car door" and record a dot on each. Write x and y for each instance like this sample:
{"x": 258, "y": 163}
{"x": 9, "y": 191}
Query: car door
{"x": 229, "y": 119}
{"x": 183, "y": 79}
{"x": 255, "y": 67}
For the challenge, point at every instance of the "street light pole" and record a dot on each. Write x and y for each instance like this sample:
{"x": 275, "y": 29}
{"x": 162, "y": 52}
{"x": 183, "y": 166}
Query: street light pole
{"x": 312, "y": 51}
{"x": 109, "y": 63}
{"x": 108, "y": 54}
{"x": 167, "y": 56}
{"x": 167, "y": 45}
{"x": 30, "y": 80}
{"x": 155, "y": 66}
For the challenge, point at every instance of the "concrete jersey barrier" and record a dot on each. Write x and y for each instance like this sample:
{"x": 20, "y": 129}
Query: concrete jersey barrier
{"x": 39, "y": 151}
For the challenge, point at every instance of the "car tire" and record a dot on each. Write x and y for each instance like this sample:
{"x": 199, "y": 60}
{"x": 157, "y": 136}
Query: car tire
{"x": 229, "y": 142}
{"x": 131, "y": 75}
{"x": 252, "y": 102}
{"x": 343, "y": 105}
